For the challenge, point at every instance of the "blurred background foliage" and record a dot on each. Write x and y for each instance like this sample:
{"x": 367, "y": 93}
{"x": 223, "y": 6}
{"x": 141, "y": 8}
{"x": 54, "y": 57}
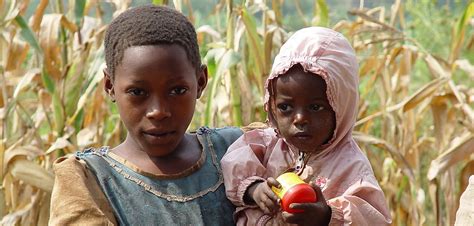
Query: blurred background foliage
{"x": 415, "y": 120}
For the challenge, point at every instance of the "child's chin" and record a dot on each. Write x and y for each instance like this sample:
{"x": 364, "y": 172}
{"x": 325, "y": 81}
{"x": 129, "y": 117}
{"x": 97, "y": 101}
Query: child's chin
{"x": 312, "y": 149}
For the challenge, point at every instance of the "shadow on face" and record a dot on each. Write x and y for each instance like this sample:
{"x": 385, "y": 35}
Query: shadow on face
{"x": 155, "y": 89}
{"x": 301, "y": 109}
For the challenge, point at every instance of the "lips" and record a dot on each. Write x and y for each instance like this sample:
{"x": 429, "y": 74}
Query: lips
{"x": 157, "y": 133}
{"x": 304, "y": 141}
{"x": 302, "y": 135}
{"x": 158, "y": 136}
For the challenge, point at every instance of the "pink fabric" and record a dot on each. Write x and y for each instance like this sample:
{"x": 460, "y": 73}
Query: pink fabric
{"x": 344, "y": 173}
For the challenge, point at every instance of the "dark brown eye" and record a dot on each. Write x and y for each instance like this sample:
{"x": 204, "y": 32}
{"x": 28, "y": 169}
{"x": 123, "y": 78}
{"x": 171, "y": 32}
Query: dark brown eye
{"x": 178, "y": 91}
{"x": 284, "y": 107}
{"x": 136, "y": 92}
{"x": 316, "y": 107}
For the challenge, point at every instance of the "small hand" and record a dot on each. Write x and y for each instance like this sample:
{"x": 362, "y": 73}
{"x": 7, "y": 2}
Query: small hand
{"x": 264, "y": 197}
{"x": 317, "y": 213}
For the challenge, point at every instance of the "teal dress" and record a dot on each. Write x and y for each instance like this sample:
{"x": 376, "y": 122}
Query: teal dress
{"x": 139, "y": 198}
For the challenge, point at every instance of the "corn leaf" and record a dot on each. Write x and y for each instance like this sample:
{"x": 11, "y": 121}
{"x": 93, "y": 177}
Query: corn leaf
{"x": 27, "y": 34}
{"x": 322, "y": 14}
{"x": 229, "y": 59}
{"x": 32, "y": 174}
{"x": 460, "y": 150}
{"x": 79, "y": 6}
{"x": 255, "y": 44}
{"x": 424, "y": 92}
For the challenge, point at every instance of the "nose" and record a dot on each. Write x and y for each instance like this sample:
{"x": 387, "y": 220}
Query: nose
{"x": 301, "y": 119}
{"x": 158, "y": 110}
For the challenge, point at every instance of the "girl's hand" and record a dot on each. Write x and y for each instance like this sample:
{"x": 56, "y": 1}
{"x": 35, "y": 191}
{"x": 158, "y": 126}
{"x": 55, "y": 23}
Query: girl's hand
{"x": 264, "y": 197}
{"x": 318, "y": 213}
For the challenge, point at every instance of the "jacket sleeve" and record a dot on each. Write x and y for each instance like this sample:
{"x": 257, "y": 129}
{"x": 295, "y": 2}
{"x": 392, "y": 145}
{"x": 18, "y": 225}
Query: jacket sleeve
{"x": 76, "y": 197}
{"x": 363, "y": 203}
{"x": 243, "y": 165}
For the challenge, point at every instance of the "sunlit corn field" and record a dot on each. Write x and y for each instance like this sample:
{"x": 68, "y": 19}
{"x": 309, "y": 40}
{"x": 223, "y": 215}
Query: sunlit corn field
{"x": 415, "y": 120}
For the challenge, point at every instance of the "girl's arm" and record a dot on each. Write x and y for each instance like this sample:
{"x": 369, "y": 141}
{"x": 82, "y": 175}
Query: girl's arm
{"x": 76, "y": 197}
{"x": 244, "y": 165}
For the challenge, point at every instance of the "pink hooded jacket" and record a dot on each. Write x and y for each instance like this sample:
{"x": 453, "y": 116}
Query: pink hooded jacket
{"x": 340, "y": 169}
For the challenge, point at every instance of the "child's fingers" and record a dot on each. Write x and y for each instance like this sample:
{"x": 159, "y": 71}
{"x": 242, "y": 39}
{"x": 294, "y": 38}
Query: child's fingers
{"x": 267, "y": 205}
{"x": 269, "y": 192}
{"x": 270, "y": 200}
{"x": 274, "y": 206}
{"x": 319, "y": 193}
{"x": 291, "y": 218}
{"x": 318, "y": 210}
{"x": 303, "y": 206}
{"x": 266, "y": 210}
{"x": 272, "y": 182}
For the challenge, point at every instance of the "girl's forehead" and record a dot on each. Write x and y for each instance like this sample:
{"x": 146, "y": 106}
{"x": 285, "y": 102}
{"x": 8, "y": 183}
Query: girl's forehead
{"x": 155, "y": 62}
{"x": 300, "y": 86}
{"x": 299, "y": 77}
{"x": 146, "y": 53}
{"x": 155, "y": 56}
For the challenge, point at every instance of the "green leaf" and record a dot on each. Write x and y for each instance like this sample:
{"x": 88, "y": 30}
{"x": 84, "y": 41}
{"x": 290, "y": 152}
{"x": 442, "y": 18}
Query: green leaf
{"x": 157, "y": 2}
{"x": 74, "y": 83}
{"x": 235, "y": 97}
{"x": 58, "y": 113}
{"x": 460, "y": 30}
{"x": 27, "y": 34}
{"x": 79, "y": 120}
{"x": 229, "y": 59}
{"x": 466, "y": 16}
{"x": 321, "y": 14}
{"x": 79, "y": 6}
{"x": 48, "y": 82}
{"x": 255, "y": 45}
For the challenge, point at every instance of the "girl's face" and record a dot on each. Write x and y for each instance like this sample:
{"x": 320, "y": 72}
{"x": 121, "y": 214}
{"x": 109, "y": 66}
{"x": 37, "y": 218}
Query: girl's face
{"x": 155, "y": 89}
{"x": 301, "y": 109}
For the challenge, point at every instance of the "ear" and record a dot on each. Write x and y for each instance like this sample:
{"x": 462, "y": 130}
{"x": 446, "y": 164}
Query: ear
{"x": 201, "y": 80}
{"x": 109, "y": 85}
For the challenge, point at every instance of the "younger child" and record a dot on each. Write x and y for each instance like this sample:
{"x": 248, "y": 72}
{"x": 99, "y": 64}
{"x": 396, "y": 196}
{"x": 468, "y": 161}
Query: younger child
{"x": 311, "y": 99}
{"x": 160, "y": 175}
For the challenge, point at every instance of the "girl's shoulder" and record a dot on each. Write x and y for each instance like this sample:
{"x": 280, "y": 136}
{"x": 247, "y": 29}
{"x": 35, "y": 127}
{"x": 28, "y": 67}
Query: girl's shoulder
{"x": 77, "y": 190}
{"x": 225, "y": 135}
{"x": 76, "y": 160}
{"x": 68, "y": 163}
{"x": 260, "y": 135}
{"x": 222, "y": 131}
{"x": 89, "y": 160}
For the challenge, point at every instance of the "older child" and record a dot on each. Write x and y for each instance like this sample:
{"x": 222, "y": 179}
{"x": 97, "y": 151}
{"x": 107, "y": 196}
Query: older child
{"x": 311, "y": 102}
{"x": 160, "y": 175}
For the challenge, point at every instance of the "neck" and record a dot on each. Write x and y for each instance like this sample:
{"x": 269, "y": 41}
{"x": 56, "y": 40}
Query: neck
{"x": 185, "y": 155}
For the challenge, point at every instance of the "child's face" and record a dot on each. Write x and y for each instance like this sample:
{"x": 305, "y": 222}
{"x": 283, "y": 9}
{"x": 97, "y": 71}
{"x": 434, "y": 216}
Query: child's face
{"x": 155, "y": 89}
{"x": 302, "y": 111}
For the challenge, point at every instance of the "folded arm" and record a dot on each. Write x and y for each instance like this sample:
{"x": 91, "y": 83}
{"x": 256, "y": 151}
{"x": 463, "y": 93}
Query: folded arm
{"x": 243, "y": 165}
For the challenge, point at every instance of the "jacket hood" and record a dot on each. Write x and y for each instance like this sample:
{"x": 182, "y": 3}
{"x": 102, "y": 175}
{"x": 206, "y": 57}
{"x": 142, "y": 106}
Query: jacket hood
{"x": 326, "y": 53}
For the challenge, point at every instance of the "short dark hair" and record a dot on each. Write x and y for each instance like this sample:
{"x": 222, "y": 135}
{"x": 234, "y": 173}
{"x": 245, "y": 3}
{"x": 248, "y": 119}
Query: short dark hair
{"x": 149, "y": 25}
